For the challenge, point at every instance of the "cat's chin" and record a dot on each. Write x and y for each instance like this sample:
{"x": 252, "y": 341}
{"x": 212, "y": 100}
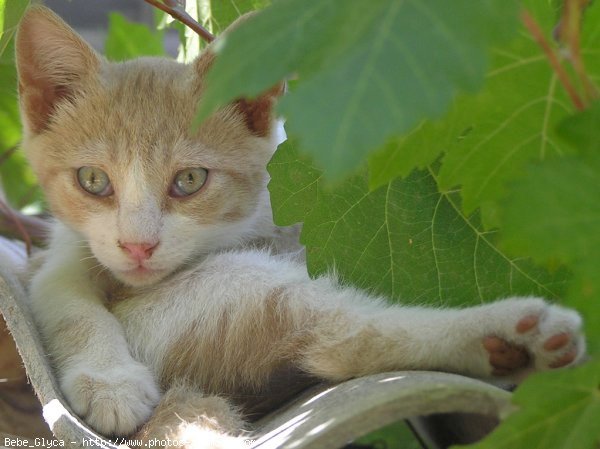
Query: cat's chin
{"x": 139, "y": 277}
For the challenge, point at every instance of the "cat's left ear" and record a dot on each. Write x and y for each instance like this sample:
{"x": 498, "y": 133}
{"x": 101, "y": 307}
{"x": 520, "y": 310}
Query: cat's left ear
{"x": 53, "y": 62}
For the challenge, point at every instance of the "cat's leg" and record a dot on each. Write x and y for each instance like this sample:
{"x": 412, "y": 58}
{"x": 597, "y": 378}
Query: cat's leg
{"x": 508, "y": 338}
{"x": 270, "y": 306}
{"x": 101, "y": 381}
{"x": 188, "y": 419}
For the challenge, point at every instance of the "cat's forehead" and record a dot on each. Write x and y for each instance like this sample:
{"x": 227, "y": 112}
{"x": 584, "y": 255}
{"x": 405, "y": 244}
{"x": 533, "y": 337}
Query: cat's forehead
{"x": 144, "y": 108}
{"x": 146, "y": 94}
{"x": 149, "y": 75}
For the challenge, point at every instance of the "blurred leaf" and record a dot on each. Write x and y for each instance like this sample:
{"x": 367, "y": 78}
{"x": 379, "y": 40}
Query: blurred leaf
{"x": 18, "y": 181}
{"x": 10, "y": 124}
{"x": 554, "y": 214}
{"x": 11, "y": 12}
{"x": 224, "y": 12}
{"x": 554, "y": 211}
{"x": 489, "y": 138}
{"x": 366, "y": 71}
{"x": 127, "y": 40}
{"x": 404, "y": 240}
{"x": 582, "y": 131}
{"x": 559, "y": 410}
{"x": 513, "y": 119}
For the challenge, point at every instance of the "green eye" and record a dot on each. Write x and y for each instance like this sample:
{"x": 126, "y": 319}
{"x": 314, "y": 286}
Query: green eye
{"x": 94, "y": 181}
{"x": 188, "y": 181}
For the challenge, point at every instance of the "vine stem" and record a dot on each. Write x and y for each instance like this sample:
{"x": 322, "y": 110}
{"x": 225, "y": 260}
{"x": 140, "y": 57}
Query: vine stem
{"x": 177, "y": 12}
{"x": 536, "y": 31}
{"x": 569, "y": 33}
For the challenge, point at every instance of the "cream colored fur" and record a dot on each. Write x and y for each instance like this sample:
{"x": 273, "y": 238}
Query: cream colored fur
{"x": 225, "y": 305}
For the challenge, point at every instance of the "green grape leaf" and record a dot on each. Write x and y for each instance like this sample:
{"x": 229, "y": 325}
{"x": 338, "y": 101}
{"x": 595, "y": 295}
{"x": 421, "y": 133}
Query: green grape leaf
{"x": 553, "y": 214}
{"x": 127, "y": 40}
{"x": 293, "y": 199}
{"x": 11, "y": 12}
{"x": 558, "y": 410}
{"x": 366, "y": 71}
{"x": 512, "y": 120}
{"x": 582, "y": 131}
{"x": 489, "y": 138}
{"x": 417, "y": 149}
{"x": 404, "y": 240}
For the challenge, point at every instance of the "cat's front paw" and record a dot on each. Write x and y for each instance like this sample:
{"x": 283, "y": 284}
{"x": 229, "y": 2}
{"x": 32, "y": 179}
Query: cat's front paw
{"x": 538, "y": 336}
{"x": 114, "y": 401}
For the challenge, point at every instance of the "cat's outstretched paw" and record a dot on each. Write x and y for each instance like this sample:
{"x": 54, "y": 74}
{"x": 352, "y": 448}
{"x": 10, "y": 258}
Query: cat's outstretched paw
{"x": 539, "y": 337}
{"x": 114, "y": 401}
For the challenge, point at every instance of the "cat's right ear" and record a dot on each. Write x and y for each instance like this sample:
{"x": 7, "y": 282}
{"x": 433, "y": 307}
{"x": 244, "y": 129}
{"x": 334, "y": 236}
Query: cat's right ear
{"x": 53, "y": 62}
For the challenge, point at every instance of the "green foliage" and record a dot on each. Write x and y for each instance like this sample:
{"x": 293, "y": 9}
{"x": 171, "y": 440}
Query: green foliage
{"x": 489, "y": 138}
{"x": 18, "y": 181}
{"x": 359, "y": 81}
{"x": 554, "y": 214}
{"x": 405, "y": 239}
{"x": 128, "y": 40}
{"x": 10, "y": 14}
{"x": 513, "y": 119}
{"x": 421, "y": 239}
{"x": 417, "y": 149}
{"x": 559, "y": 410}
{"x": 9, "y": 111}
{"x": 224, "y": 12}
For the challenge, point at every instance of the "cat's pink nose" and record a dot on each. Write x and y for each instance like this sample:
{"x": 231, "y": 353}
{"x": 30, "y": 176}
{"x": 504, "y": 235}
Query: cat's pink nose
{"x": 138, "y": 251}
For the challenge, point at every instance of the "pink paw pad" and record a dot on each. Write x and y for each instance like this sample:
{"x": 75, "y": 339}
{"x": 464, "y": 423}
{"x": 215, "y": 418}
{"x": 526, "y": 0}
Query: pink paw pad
{"x": 553, "y": 343}
{"x": 502, "y": 352}
{"x": 505, "y": 357}
{"x": 527, "y": 323}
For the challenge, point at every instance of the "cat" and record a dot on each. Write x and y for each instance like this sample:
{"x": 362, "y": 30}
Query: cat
{"x": 167, "y": 295}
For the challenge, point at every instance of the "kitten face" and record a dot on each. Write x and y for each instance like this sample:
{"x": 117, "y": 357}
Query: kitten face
{"x": 129, "y": 122}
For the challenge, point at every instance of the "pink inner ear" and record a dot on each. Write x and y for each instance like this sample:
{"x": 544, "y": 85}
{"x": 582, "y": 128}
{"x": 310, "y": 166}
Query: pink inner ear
{"x": 51, "y": 60}
{"x": 39, "y": 102}
{"x": 258, "y": 112}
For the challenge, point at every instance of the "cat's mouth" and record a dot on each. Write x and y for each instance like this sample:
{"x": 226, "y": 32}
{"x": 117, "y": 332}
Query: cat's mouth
{"x": 141, "y": 271}
{"x": 142, "y": 275}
